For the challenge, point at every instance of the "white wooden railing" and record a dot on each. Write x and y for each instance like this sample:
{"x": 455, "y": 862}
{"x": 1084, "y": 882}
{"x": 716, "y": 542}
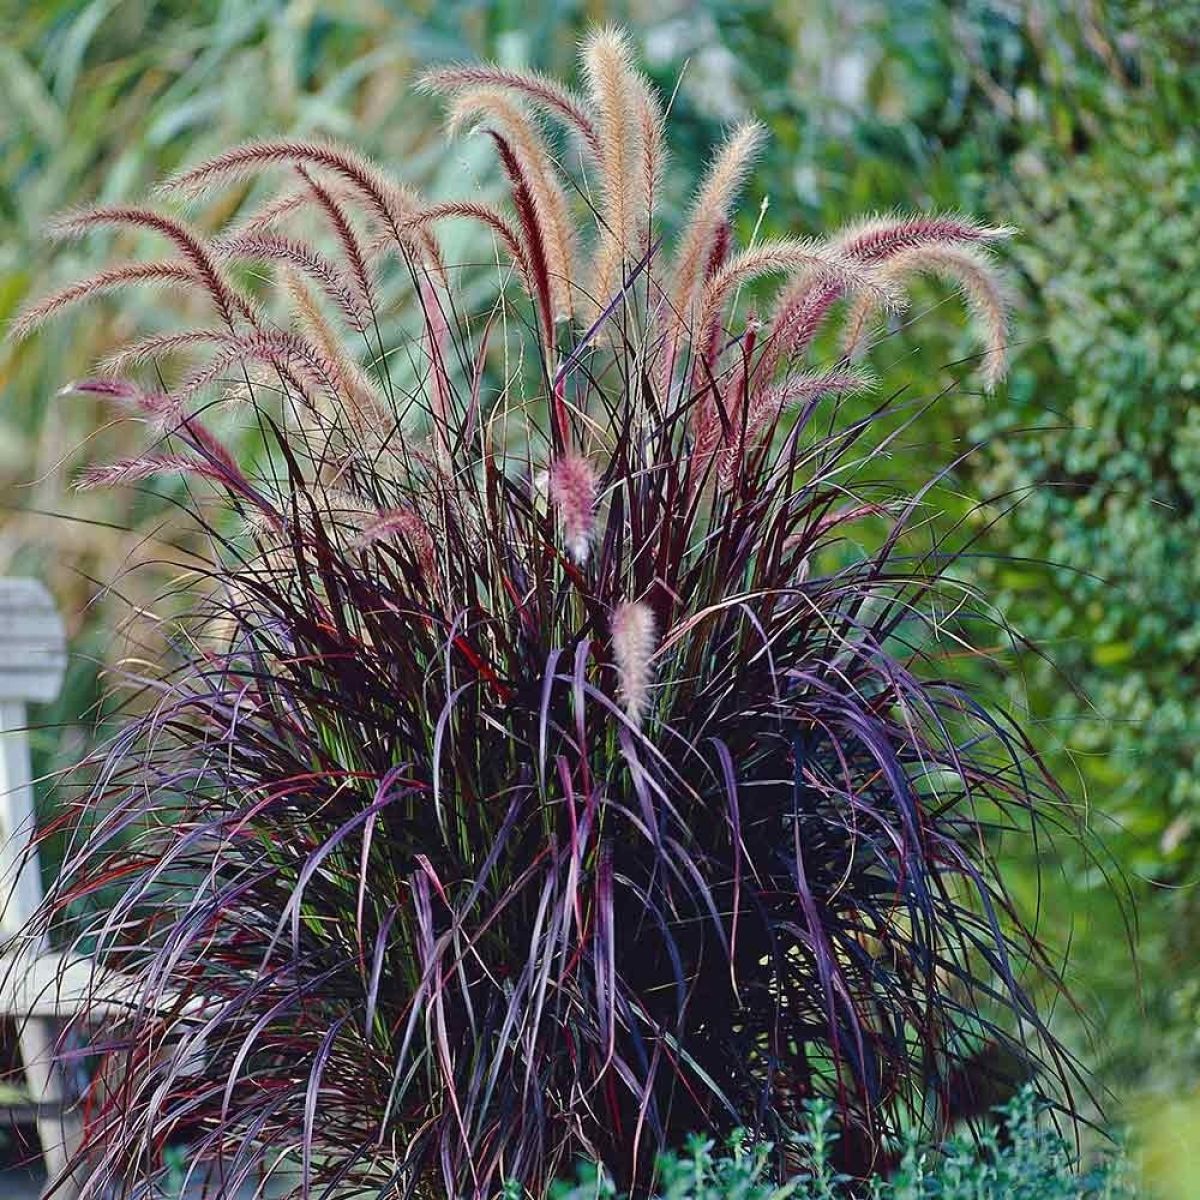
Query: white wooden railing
{"x": 38, "y": 988}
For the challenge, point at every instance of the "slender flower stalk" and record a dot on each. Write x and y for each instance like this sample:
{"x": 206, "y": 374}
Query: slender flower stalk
{"x": 541, "y": 179}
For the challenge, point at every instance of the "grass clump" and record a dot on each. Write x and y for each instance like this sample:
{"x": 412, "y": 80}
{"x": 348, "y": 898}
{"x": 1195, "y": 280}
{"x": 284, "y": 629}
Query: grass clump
{"x": 564, "y": 751}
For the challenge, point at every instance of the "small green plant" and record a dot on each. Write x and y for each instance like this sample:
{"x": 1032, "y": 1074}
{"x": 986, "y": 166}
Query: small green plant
{"x": 1020, "y": 1158}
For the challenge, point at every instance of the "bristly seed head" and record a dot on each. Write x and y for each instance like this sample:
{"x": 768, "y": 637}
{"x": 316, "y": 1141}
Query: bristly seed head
{"x": 634, "y": 638}
{"x": 406, "y": 525}
{"x": 572, "y": 486}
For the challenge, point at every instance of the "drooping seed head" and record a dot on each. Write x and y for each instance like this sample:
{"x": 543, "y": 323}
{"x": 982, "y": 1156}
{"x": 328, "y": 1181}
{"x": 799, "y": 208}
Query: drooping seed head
{"x": 403, "y": 523}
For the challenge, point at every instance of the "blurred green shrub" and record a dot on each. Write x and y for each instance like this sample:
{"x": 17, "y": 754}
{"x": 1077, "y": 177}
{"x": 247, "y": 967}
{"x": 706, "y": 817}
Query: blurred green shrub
{"x": 1099, "y": 446}
{"x": 1078, "y": 123}
{"x": 1101, "y": 443}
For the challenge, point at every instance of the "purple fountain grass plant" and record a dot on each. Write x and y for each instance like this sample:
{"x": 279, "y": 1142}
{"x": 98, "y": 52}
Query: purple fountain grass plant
{"x": 554, "y": 763}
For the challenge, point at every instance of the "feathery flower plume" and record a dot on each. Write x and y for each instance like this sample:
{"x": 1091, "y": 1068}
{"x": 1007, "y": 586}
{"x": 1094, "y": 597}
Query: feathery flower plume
{"x": 799, "y": 389}
{"x": 800, "y": 310}
{"x": 804, "y": 305}
{"x": 249, "y": 159}
{"x": 782, "y": 255}
{"x": 484, "y": 214}
{"x": 405, "y": 524}
{"x": 719, "y": 250}
{"x": 272, "y": 247}
{"x": 268, "y": 217}
{"x": 386, "y": 201}
{"x": 288, "y": 352}
{"x": 613, "y": 87}
{"x": 125, "y": 471}
{"x": 168, "y": 413}
{"x": 634, "y": 639}
{"x": 704, "y": 244}
{"x": 333, "y": 206}
{"x": 164, "y": 411}
{"x": 705, "y": 331}
{"x": 229, "y": 302}
{"x": 548, "y": 94}
{"x": 173, "y": 274}
{"x": 539, "y": 175}
{"x": 710, "y": 210}
{"x": 158, "y": 346}
{"x": 878, "y": 237}
{"x": 764, "y": 408}
{"x": 365, "y": 409}
{"x": 652, "y": 139}
{"x": 572, "y": 488}
{"x": 977, "y": 278}
{"x": 537, "y": 268}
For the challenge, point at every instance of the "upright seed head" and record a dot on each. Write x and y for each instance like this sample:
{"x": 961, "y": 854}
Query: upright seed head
{"x": 572, "y": 486}
{"x": 634, "y": 638}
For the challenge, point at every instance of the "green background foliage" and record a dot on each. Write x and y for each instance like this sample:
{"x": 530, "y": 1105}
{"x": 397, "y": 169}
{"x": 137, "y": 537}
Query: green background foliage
{"x": 1075, "y": 121}
{"x": 1078, "y": 126}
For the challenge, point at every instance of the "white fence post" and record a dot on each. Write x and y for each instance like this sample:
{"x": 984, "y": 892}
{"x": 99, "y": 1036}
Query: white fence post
{"x": 32, "y": 661}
